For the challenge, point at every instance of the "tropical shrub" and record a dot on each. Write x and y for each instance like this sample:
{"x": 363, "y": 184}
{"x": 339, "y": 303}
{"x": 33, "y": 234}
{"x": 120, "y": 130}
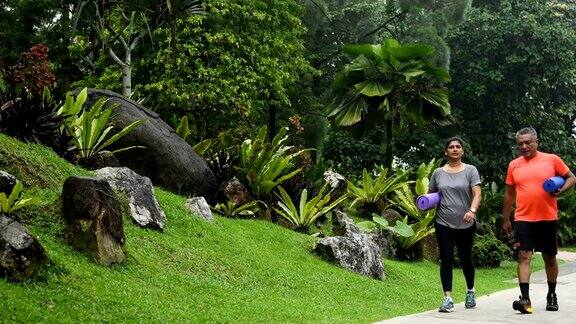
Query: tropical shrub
{"x": 308, "y": 210}
{"x": 13, "y": 202}
{"x": 230, "y": 210}
{"x": 32, "y": 74}
{"x": 567, "y": 218}
{"x": 400, "y": 228}
{"x": 370, "y": 195}
{"x": 489, "y": 251}
{"x": 422, "y": 222}
{"x": 349, "y": 155}
{"x": 32, "y": 118}
{"x": 266, "y": 165}
{"x": 387, "y": 83}
{"x": 89, "y": 129}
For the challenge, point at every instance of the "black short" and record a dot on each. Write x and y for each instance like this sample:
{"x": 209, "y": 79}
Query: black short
{"x": 537, "y": 236}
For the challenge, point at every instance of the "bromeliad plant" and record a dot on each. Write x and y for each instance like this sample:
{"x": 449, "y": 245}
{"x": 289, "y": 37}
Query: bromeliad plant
{"x": 405, "y": 200}
{"x": 370, "y": 195}
{"x": 13, "y": 202}
{"x": 308, "y": 210}
{"x": 230, "y": 210}
{"x": 266, "y": 165}
{"x": 90, "y": 129}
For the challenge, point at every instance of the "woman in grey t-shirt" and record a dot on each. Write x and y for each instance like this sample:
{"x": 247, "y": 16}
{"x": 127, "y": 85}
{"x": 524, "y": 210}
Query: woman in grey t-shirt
{"x": 459, "y": 186}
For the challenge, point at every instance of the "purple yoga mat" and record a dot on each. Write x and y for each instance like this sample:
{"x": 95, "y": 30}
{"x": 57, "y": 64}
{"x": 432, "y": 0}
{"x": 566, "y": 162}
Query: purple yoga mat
{"x": 553, "y": 184}
{"x": 428, "y": 201}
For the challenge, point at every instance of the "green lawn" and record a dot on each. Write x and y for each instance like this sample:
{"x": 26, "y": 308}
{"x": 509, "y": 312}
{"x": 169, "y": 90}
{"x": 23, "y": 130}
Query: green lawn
{"x": 228, "y": 271}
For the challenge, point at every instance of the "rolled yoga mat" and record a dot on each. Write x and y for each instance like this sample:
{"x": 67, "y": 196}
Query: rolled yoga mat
{"x": 428, "y": 201}
{"x": 553, "y": 184}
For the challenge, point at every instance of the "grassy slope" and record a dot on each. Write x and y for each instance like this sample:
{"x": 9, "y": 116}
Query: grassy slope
{"x": 232, "y": 270}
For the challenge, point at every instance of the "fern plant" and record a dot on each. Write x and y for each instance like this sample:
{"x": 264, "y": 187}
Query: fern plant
{"x": 308, "y": 210}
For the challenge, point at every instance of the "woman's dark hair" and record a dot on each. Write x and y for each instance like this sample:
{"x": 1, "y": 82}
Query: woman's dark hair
{"x": 452, "y": 139}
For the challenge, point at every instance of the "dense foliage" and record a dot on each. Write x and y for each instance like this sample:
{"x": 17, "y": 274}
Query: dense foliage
{"x": 514, "y": 67}
{"x": 236, "y": 64}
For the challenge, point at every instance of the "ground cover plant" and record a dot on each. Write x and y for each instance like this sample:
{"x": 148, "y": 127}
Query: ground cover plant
{"x": 231, "y": 270}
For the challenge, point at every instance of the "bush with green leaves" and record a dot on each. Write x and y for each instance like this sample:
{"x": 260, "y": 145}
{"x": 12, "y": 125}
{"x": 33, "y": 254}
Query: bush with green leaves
{"x": 90, "y": 129}
{"x": 349, "y": 155}
{"x": 266, "y": 165}
{"x": 489, "y": 251}
{"x": 567, "y": 217}
{"x": 400, "y": 228}
{"x": 14, "y": 201}
{"x": 371, "y": 194}
{"x": 31, "y": 118}
{"x": 308, "y": 210}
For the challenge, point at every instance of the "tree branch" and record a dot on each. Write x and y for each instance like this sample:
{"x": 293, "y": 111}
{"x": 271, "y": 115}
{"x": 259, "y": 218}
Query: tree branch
{"x": 385, "y": 25}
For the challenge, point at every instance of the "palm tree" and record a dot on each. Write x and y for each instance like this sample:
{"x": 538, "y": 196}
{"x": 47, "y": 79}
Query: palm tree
{"x": 387, "y": 83}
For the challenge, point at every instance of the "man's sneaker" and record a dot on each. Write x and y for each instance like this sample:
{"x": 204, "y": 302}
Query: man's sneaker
{"x": 523, "y": 305}
{"x": 447, "y": 306}
{"x": 551, "y": 302}
{"x": 470, "y": 299}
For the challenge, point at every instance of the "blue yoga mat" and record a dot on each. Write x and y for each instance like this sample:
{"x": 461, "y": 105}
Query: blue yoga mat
{"x": 553, "y": 184}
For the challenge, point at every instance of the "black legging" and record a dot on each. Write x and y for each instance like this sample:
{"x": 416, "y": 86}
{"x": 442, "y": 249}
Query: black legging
{"x": 463, "y": 239}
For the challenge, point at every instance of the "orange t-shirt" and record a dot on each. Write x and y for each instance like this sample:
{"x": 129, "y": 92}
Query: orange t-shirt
{"x": 528, "y": 175}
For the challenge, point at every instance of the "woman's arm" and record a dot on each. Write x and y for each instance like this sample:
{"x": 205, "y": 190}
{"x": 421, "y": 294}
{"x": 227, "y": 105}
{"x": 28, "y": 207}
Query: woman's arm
{"x": 476, "y": 198}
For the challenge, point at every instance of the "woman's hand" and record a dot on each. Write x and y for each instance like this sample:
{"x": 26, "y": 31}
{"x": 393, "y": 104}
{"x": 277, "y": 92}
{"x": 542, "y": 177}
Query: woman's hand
{"x": 469, "y": 216}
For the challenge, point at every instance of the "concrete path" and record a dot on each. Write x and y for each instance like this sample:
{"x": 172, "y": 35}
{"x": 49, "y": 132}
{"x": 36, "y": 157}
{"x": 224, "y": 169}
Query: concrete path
{"x": 497, "y": 307}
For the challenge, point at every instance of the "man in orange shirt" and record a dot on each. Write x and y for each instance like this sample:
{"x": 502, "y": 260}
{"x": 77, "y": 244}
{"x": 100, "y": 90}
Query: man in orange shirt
{"x": 536, "y": 214}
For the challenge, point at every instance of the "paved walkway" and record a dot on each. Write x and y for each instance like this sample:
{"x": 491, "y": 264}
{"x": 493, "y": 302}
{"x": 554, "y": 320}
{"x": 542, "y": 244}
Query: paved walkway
{"x": 497, "y": 307}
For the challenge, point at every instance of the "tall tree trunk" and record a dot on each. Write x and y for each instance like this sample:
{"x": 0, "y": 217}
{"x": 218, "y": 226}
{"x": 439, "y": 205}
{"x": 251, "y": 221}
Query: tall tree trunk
{"x": 389, "y": 141}
{"x": 127, "y": 75}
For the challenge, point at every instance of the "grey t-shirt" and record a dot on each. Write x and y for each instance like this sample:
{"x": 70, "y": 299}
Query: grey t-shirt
{"x": 456, "y": 191}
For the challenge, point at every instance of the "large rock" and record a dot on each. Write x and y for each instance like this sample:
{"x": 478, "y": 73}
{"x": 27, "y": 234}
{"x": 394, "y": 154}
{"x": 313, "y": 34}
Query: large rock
{"x": 144, "y": 207}
{"x": 93, "y": 216}
{"x": 7, "y": 182}
{"x": 167, "y": 159}
{"x": 351, "y": 248}
{"x": 200, "y": 207}
{"x": 236, "y": 192}
{"x": 20, "y": 253}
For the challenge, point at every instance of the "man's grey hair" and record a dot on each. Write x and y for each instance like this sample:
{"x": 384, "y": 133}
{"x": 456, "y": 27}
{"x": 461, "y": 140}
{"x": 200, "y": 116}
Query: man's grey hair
{"x": 527, "y": 130}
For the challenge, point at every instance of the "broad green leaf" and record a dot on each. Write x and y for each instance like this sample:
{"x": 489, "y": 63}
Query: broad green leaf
{"x": 374, "y": 88}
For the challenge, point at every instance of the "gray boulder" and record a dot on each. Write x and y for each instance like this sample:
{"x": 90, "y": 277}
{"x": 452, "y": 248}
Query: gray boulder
{"x": 167, "y": 159}
{"x": 21, "y": 255}
{"x": 144, "y": 207}
{"x": 93, "y": 217}
{"x": 351, "y": 248}
{"x": 200, "y": 207}
{"x": 7, "y": 182}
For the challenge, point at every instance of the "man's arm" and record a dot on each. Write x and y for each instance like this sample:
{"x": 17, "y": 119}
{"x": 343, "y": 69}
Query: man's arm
{"x": 569, "y": 182}
{"x": 509, "y": 195}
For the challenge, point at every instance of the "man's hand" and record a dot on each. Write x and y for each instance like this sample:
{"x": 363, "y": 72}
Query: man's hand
{"x": 506, "y": 226}
{"x": 555, "y": 193}
{"x": 469, "y": 216}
